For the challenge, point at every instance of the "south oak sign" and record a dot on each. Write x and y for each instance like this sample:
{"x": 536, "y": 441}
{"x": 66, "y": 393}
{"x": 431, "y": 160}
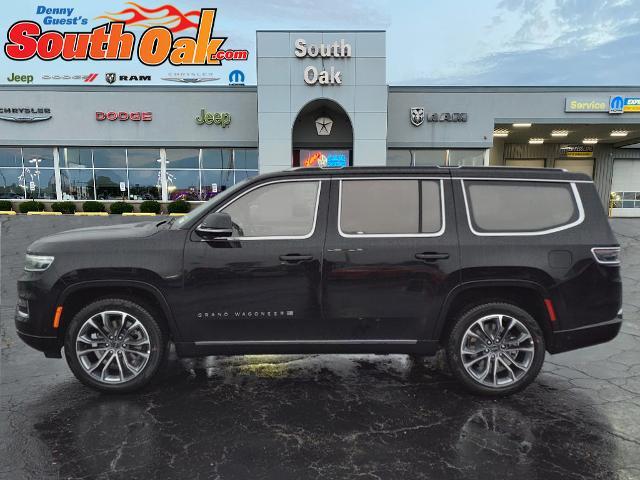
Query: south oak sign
{"x": 311, "y": 74}
{"x": 111, "y": 41}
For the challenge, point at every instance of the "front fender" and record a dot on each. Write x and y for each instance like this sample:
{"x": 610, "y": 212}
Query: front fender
{"x": 120, "y": 283}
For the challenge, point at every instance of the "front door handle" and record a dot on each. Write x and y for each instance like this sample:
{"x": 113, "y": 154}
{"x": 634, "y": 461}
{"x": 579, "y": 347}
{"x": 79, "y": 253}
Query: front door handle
{"x": 431, "y": 256}
{"x": 295, "y": 258}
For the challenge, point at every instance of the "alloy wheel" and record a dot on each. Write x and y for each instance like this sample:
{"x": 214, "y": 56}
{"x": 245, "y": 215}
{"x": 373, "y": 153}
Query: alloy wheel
{"x": 497, "y": 350}
{"x": 113, "y": 347}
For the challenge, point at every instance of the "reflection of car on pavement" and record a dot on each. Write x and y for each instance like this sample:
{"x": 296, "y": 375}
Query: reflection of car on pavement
{"x": 495, "y": 266}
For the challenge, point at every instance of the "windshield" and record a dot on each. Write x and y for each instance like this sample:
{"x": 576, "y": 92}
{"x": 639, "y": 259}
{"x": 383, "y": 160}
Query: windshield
{"x": 196, "y": 212}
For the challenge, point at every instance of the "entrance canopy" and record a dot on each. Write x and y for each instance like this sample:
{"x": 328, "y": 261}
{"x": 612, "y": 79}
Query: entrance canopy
{"x": 322, "y": 135}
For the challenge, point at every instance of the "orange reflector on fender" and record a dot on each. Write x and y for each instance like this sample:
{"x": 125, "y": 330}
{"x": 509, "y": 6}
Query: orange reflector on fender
{"x": 550, "y": 309}
{"x": 56, "y": 317}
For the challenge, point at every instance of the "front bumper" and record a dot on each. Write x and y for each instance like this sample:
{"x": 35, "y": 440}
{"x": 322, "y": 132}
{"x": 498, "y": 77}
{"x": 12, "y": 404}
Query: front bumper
{"x": 49, "y": 345}
{"x": 565, "y": 340}
{"x": 35, "y": 311}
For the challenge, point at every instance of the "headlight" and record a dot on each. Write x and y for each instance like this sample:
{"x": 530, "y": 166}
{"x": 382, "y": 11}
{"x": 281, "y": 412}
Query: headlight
{"x": 37, "y": 263}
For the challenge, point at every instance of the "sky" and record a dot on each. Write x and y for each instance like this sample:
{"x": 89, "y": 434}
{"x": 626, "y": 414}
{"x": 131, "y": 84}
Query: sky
{"x": 429, "y": 42}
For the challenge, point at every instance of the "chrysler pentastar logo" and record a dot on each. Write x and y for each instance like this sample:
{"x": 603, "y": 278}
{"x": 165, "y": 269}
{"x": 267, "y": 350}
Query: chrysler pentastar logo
{"x": 416, "y": 115}
{"x": 323, "y": 125}
{"x": 25, "y": 115}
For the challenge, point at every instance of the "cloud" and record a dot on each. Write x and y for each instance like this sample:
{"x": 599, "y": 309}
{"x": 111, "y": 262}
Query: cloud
{"x": 612, "y": 63}
{"x": 556, "y": 42}
{"x": 293, "y": 13}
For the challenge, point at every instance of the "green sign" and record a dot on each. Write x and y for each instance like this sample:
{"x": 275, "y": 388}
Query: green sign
{"x": 216, "y": 118}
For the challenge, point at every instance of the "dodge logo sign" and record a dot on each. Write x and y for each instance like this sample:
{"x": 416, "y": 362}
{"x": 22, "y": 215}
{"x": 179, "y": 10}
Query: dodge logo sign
{"x": 124, "y": 116}
{"x": 417, "y": 116}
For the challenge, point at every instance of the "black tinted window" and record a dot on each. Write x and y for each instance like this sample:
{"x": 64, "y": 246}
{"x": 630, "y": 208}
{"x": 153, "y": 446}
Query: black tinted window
{"x": 277, "y": 209}
{"x": 500, "y": 206}
{"x": 387, "y": 207}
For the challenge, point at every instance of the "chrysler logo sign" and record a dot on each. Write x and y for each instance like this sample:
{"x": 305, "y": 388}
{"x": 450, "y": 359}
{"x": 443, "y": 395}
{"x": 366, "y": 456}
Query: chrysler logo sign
{"x": 25, "y": 114}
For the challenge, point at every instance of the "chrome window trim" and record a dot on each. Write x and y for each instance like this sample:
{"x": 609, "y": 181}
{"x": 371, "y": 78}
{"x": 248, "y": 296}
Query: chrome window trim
{"x": 526, "y": 233}
{"x": 394, "y": 235}
{"x": 319, "y": 181}
{"x": 505, "y": 179}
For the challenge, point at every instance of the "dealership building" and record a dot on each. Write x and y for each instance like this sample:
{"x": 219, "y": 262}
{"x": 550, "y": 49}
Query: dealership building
{"x": 321, "y": 98}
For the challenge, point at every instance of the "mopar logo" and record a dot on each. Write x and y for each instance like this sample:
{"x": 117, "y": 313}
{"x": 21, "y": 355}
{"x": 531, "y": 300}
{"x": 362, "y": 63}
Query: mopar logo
{"x": 236, "y": 77}
{"x": 616, "y": 104}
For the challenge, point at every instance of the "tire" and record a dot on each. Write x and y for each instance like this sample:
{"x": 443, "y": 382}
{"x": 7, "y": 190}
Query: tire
{"x": 485, "y": 372}
{"x": 105, "y": 362}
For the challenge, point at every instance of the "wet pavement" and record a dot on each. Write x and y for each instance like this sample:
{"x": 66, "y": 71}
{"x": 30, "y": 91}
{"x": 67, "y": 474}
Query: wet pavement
{"x": 318, "y": 416}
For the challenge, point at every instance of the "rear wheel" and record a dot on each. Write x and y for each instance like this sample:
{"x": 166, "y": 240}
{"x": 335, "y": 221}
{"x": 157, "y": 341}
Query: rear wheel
{"x": 115, "y": 345}
{"x": 495, "y": 349}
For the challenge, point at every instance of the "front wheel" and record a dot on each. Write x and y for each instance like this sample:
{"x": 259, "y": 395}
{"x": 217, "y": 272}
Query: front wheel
{"x": 495, "y": 349}
{"x": 115, "y": 345}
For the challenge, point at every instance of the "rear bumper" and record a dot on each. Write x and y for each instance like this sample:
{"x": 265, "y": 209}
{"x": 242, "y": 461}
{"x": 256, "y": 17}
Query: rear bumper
{"x": 565, "y": 340}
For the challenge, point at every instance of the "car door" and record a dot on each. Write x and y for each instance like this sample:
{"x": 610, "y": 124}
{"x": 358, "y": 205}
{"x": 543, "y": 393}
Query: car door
{"x": 262, "y": 284}
{"x": 391, "y": 257}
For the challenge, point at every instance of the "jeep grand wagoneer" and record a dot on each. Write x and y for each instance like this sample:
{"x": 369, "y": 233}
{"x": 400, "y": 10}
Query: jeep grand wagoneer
{"x": 494, "y": 265}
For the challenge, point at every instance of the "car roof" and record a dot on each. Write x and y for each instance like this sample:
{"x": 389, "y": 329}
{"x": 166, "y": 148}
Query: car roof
{"x": 487, "y": 172}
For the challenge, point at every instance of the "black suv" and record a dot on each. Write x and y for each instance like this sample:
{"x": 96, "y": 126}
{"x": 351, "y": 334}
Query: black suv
{"x": 495, "y": 265}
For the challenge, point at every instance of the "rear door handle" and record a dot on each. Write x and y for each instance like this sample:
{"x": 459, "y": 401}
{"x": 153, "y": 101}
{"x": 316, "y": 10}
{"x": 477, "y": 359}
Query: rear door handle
{"x": 431, "y": 256}
{"x": 294, "y": 258}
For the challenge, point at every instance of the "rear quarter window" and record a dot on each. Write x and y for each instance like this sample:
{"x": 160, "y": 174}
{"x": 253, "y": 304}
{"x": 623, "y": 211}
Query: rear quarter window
{"x": 497, "y": 207}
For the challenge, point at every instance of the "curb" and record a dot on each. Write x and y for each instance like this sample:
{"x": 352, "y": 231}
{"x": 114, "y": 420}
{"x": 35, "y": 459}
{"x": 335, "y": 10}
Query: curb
{"x": 91, "y": 214}
{"x": 171, "y": 214}
{"x": 7, "y": 212}
{"x": 44, "y": 213}
{"x": 137, "y": 214}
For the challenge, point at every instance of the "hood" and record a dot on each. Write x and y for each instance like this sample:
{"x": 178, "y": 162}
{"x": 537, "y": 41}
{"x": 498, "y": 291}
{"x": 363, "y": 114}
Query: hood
{"x": 110, "y": 233}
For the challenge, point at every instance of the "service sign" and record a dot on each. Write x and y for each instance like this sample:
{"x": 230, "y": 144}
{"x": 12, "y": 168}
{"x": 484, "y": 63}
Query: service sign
{"x": 576, "y": 151}
{"x": 119, "y": 42}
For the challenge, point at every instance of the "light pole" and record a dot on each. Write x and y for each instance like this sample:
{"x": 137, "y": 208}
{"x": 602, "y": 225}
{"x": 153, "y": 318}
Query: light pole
{"x": 37, "y": 162}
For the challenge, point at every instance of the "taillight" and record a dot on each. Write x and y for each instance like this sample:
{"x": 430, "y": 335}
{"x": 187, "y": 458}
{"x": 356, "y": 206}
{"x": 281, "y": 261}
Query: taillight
{"x": 607, "y": 255}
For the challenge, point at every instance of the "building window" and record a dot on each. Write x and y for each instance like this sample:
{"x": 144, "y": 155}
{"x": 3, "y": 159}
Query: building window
{"x": 397, "y": 157}
{"x": 143, "y": 173}
{"x": 424, "y": 157}
{"x": 108, "y": 183}
{"x": 77, "y": 184}
{"x": 468, "y": 158}
{"x": 11, "y": 173}
{"x": 39, "y": 175}
{"x": 625, "y": 199}
{"x": 98, "y": 173}
{"x": 27, "y": 172}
